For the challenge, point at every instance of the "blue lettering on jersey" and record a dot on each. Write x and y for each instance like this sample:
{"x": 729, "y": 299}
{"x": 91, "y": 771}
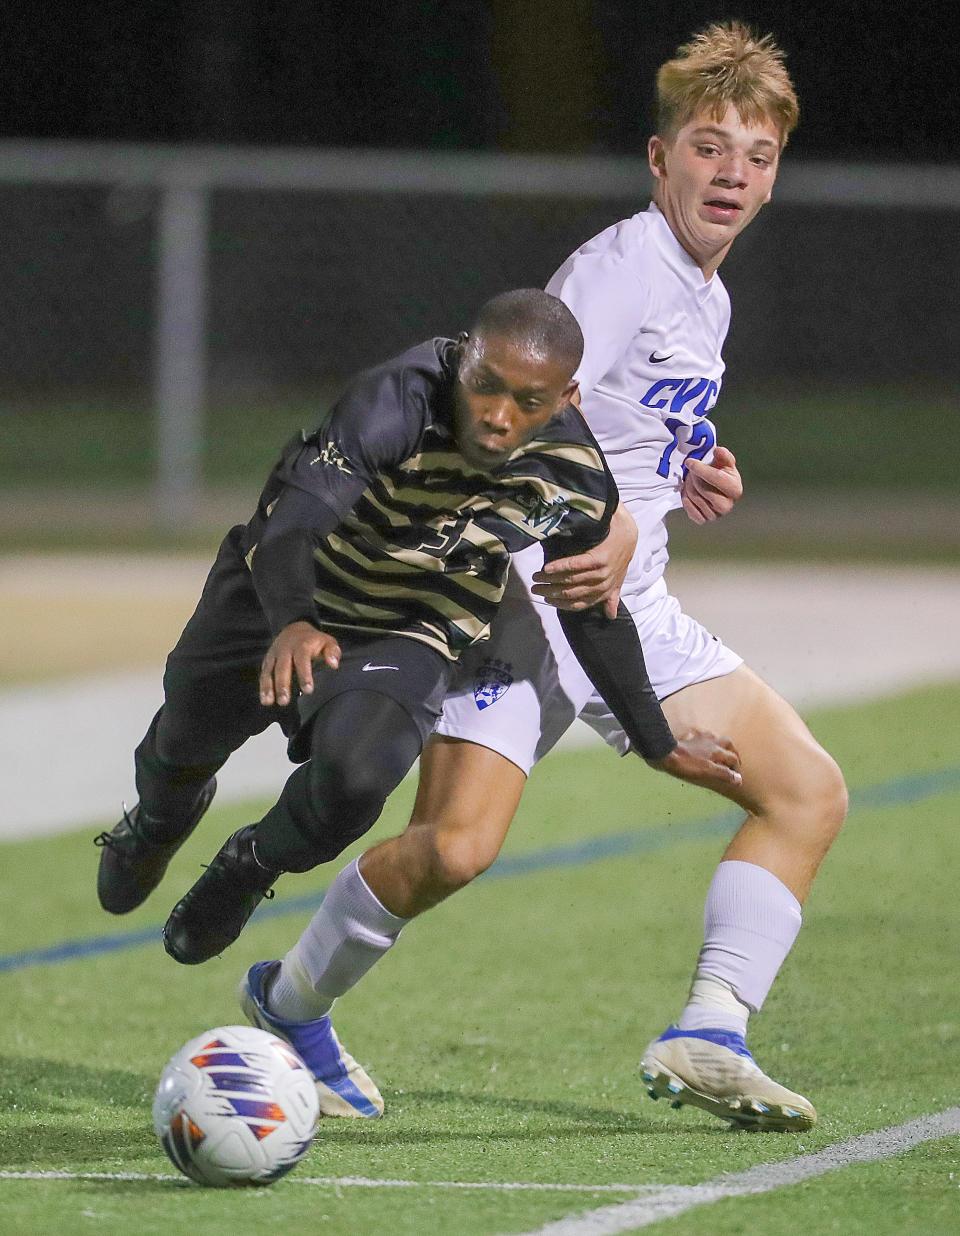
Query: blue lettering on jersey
{"x": 655, "y": 396}
{"x": 674, "y": 394}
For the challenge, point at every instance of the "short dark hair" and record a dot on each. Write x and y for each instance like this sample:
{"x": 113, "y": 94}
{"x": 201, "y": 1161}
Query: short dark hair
{"x": 535, "y": 321}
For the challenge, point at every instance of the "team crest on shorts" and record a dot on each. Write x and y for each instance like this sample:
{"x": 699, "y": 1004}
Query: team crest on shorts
{"x": 493, "y": 680}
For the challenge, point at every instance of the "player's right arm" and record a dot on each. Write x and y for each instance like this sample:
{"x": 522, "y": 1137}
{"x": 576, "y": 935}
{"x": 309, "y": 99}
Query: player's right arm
{"x": 281, "y": 565}
{"x": 612, "y": 303}
{"x": 313, "y": 489}
{"x": 293, "y": 654}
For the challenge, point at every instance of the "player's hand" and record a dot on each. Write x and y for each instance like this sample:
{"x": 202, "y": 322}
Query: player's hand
{"x": 710, "y": 490}
{"x": 703, "y": 759}
{"x": 593, "y": 577}
{"x": 293, "y": 652}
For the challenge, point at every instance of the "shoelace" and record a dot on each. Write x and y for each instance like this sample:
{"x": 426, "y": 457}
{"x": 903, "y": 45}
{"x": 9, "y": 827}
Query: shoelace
{"x": 108, "y": 839}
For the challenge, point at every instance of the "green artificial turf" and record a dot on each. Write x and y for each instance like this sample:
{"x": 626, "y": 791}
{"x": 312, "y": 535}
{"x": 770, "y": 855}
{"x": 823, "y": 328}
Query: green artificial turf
{"x": 506, "y": 1026}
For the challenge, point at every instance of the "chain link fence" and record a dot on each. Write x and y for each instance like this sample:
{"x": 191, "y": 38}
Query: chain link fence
{"x": 303, "y": 286}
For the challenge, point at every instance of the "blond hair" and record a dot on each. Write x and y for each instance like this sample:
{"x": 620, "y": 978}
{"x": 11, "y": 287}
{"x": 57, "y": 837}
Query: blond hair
{"x": 727, "y": 63}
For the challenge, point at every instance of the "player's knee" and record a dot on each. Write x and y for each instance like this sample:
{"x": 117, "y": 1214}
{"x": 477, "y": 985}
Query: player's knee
{"x": 167, "y": 742}
{"x": 455, "y": 859}
{"x": 343, "y": 788}
{"x": 362, "y": 745}
{"x": 815, "y": 797}
{"x": 832, "y": 798}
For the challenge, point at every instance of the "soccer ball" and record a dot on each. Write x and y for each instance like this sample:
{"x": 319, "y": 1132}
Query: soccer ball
{"x": 235, "y": 1106}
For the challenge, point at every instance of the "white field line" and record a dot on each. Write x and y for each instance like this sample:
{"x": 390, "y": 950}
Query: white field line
{"x": 504, "y": 1186}
{"x": 349, "y": 1182}
{"x": 648, "y": 1204}
{"x": 671, "y": 1200}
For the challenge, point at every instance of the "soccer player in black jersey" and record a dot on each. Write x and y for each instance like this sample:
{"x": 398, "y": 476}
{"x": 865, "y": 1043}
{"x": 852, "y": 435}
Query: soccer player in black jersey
{"x": 379, "y": 551}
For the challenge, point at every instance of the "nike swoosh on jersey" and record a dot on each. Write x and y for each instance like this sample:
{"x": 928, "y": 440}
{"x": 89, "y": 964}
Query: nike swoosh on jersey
{"x": 368, "y": 667}
{"x": 654, "y": 359}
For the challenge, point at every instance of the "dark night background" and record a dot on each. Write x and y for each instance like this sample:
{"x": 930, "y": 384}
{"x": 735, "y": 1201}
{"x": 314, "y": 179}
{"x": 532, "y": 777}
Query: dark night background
{"x": 876, "y": 80}
{"x": 304, "y": 288}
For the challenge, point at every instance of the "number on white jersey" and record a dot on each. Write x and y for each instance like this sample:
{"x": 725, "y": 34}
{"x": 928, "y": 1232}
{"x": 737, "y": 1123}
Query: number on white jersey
{"x": 701, "y": 439}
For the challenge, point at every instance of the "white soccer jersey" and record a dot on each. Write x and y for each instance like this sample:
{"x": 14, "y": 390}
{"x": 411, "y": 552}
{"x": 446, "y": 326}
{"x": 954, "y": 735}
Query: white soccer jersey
{"x": 651, "y": 372}
{"x": 653, "y": 330}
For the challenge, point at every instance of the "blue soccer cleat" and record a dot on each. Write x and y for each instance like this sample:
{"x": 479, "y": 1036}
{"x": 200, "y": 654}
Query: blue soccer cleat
{"x": 343, "y": 1087}
{"x": 714, "y": 1070}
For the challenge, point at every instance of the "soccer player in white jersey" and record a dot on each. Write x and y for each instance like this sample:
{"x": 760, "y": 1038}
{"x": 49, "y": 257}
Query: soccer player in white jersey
{"x": 654, "y": 314}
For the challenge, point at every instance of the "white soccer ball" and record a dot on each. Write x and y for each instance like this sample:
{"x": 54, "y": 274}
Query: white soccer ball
{"x": 236, "y": 1106}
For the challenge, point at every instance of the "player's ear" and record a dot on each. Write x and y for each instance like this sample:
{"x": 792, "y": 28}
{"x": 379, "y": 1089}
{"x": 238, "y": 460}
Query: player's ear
{"x": 657, "y": 156}
{"x": 572, "y": 393}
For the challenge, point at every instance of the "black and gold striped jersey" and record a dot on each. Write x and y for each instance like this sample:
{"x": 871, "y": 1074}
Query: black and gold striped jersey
{"x": 417, "y": 542}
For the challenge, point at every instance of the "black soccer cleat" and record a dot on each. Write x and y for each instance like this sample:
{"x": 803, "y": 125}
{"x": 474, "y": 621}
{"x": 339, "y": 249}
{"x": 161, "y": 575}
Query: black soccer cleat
{"x": 131, "y": 865}
{"x": 209, "y": 917}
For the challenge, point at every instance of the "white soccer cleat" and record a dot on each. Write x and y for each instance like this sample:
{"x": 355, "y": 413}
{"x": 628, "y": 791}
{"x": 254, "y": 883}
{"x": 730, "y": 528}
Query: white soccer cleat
{"x": 713, "y": 1070}
{"x": 344, "y": 1088}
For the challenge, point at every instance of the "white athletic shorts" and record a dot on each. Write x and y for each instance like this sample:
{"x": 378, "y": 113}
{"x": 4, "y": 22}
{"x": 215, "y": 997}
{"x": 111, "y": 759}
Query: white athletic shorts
{"x": 518, "y": 692}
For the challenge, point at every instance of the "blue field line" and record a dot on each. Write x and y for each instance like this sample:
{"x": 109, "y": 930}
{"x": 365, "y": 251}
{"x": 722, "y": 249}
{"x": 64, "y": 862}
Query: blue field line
{"x": 902, "y": 791}
{"x": 898, "y": 792}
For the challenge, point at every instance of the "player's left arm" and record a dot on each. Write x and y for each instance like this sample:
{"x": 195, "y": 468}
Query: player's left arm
{"x": 608, "y": 647}
{"x": 607, "y": 644}
{"x": 711, "y": 490}
{"x": 612, "y": 656}
{"x": 594, "y": 577}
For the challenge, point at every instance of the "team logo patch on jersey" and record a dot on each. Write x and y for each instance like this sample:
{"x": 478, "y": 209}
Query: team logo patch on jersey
{"x": 332, "y": 457}
{"x": 492, "y": 681}
{"x": 544, "y": 516}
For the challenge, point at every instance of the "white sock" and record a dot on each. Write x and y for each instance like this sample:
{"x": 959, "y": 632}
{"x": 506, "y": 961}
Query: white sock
{"x": 751, "y": 920}
{"x": 349, "y": 932}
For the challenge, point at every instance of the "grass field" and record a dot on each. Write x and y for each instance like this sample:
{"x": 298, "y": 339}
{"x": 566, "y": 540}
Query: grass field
{"x": 506, "y": 1027}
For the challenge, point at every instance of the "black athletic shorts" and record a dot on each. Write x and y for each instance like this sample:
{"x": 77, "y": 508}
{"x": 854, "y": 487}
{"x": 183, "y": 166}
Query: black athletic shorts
{"x": 211, "y": 684}
{"x": 395, "y": 665}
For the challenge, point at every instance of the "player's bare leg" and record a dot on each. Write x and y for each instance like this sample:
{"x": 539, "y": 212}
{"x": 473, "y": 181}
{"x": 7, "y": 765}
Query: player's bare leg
{"x": 466, "y": 801}
{"x": 795, "y": 800}
{"x": 792, "y": 790}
